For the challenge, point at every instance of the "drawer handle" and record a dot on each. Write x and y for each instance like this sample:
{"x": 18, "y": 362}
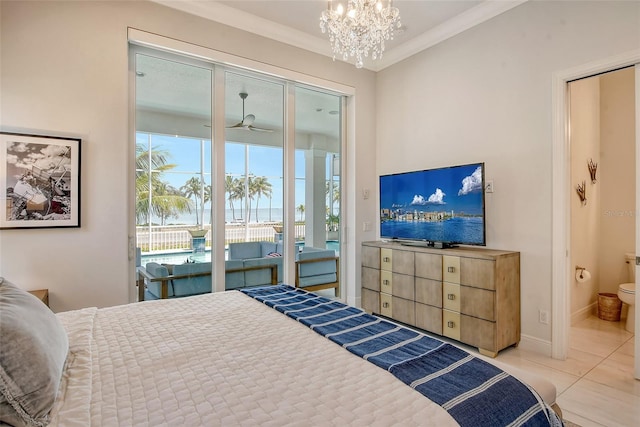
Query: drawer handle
{"x": 451, "y": 269}
{"x": 385, "y": 305}
{"x": 451, "y": 324}
{"x": 386, "y": 259}
{"x": 385, "y": 282}
{"x": 451, "y": 296}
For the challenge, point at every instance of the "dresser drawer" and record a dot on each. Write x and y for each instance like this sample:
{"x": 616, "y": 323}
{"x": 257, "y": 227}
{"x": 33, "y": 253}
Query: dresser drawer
{"x": 404, "y": 310}
{"x": 451, "y": 324}
{"x": 386, "y": 305}
{"x": 428, "y": 266}
{"x": 429, "y": 318}
{"x": 451, "y": 269}
{"x": 429, "y": 292}
{"x": 370, "y": 301}
{"x": 370, "y": 278}
{"x": 451, "y": 296}
{"x": 404, "y": 286}
{"x": 386, "y": 259}
{"x": 370, "y": 257}
{"x": 386, "y": 282}
{"x": 403, "y": 262}
{"x": 478, "y": 273}
{"x": 478, "y": 333}
{"x": 477, "y": 302}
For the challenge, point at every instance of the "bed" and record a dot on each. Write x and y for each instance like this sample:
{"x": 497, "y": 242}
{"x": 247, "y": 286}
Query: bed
{"x": 274, "y": 355}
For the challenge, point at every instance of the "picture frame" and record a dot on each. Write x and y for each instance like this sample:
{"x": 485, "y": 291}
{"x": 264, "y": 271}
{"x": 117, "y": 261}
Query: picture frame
{"x": 39, "y": 181}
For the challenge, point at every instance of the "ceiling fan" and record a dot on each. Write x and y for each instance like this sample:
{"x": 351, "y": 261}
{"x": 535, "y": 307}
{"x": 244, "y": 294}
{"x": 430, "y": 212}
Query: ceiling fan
{"x": 247, "y": 121}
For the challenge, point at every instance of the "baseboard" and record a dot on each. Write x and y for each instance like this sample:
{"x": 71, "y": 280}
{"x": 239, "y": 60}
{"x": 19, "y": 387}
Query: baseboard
{"x": 584, "y": 313}
{"x": 536, "y": 345}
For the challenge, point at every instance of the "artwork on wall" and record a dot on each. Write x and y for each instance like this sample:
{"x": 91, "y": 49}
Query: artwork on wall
{"x": 39, "y": 181}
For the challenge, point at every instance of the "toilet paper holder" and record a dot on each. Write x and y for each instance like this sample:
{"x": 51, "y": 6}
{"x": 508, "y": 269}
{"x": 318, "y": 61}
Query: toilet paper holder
{"x": 582, "y": 269}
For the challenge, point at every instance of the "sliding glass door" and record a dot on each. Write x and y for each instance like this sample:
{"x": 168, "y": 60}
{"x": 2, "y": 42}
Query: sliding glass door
{"x": 176, "y": 185}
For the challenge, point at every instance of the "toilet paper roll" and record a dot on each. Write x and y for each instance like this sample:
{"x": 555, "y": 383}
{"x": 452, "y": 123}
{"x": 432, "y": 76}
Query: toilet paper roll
{"x": 583, "y": 276}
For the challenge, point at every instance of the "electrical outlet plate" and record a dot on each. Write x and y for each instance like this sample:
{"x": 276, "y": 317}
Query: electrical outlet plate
{"x": 489, "y": 187}
{"x": 543, "y": 316}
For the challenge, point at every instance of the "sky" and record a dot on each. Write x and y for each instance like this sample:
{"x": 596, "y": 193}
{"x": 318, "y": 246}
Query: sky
{"x": 185, "y": 153}
{"x": 456, "y": 188}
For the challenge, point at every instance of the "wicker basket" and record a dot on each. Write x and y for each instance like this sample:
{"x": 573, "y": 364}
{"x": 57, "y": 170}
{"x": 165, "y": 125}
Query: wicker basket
{"x": 609, "y": 306}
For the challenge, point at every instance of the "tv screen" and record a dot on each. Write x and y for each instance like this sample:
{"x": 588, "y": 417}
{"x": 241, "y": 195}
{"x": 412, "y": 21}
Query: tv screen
{"x": 440, "y": 207}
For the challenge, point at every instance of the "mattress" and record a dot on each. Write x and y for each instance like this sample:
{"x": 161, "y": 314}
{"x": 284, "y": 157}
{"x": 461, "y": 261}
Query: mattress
{"x": 222, "y": 359}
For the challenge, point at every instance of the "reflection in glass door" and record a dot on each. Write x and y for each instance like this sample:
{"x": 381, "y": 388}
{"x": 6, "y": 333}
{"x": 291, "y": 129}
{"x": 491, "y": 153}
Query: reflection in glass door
{"x": 317, "y": 172}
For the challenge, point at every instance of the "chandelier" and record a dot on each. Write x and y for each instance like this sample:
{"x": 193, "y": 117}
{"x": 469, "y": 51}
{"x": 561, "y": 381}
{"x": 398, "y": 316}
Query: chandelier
{"x": 362, "y": 30}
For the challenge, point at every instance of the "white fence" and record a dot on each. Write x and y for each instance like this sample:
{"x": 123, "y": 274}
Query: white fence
{"x": 176, "y": 237}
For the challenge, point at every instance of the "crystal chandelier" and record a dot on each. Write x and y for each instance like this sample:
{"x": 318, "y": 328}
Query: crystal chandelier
{"x": 363, "y": 29}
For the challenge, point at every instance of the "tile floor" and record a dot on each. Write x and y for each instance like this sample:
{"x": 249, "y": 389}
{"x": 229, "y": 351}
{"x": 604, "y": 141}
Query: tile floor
{"x": 595, "y": 385}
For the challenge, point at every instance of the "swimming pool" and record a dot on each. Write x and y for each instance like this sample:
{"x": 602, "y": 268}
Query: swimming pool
{"x": 182, "y": 257}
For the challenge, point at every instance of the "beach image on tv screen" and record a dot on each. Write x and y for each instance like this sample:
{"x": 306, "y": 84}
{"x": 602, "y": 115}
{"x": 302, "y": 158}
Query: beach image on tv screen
{"x": 436, "y": 205}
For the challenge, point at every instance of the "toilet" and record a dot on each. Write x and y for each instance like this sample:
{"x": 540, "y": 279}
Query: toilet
{"x": 627, "y": 292}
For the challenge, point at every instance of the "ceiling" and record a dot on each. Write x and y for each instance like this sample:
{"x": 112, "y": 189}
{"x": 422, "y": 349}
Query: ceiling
{"x": 175, "y": 98}
{"x": 297, "y": 22}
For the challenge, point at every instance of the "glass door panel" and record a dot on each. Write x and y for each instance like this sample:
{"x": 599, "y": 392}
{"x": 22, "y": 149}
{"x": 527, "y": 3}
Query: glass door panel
{"x": 173, "y": 172}
{"x": 254, "y": 178}
{"x": 317, "y": 170}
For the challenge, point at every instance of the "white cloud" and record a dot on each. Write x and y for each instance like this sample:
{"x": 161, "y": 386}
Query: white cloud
{"x": 418, "y": 200}
{"x": 472, "y": 183}
{"x": 437, "y": 198}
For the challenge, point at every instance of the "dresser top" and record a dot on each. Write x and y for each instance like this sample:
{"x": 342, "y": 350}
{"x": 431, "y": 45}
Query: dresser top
{"x": 461, "y": 251}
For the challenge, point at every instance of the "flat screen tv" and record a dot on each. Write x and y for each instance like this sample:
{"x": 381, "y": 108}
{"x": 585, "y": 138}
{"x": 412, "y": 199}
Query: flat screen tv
{"x": 441, "y": 207}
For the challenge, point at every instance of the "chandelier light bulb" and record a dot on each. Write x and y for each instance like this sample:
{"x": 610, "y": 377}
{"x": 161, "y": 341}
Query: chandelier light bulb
{"x": 362, "y": 31}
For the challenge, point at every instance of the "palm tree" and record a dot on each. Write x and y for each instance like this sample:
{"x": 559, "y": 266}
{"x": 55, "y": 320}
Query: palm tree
{"x": 229, "y": 185}
{"x": 259, "y": 186}
{"x": 193, "y": 188}
{"x": 165, "y": 200}
{"x": 335, "y": 194}
{"x": 166, "y": 197}
{"x": 301, "y": 210}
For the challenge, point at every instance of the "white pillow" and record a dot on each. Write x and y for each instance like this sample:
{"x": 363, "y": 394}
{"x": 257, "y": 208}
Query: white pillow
{"x": 32, "y": 355}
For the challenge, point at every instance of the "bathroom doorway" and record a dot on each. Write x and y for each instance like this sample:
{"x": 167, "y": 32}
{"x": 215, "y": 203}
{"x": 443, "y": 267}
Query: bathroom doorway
{"x": 602, "y": 163}
{"x": 565, "y": 192}
{"x": 602, "y": 211}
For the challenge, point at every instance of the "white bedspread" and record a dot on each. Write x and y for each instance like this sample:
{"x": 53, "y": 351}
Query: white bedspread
{"x": 222, "y": 359}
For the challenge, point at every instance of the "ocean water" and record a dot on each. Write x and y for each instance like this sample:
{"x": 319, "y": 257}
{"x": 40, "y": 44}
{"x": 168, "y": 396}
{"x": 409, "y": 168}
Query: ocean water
{"x": 264, "y": 215}
{"x": 462, "y": 230}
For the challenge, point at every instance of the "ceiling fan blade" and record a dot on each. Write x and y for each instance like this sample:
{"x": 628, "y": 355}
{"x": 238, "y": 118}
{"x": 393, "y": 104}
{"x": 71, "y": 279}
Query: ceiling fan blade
{"x": 255, "y": 129}
{"x": 236, "y": 126}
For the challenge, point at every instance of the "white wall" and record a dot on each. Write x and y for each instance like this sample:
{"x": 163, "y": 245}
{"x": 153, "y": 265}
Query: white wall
{"x": 485, "y": 95}
{"x": 65, "y": 72}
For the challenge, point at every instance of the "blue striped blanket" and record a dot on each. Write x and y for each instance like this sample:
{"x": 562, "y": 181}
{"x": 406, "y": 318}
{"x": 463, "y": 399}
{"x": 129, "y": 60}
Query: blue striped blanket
{"x": 474, "y": 392}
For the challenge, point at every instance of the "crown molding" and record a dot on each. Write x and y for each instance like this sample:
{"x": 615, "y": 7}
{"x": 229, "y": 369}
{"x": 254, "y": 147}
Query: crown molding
{"x": 226, "y": 15}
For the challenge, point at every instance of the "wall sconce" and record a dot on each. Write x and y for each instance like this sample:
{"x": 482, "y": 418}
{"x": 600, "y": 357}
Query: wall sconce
{"x": 592, "y": 170}
{"x": 582, "y": 192}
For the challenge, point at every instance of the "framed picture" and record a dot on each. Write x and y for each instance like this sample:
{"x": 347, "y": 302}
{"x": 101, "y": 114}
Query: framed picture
{"x": 39, "y": 181}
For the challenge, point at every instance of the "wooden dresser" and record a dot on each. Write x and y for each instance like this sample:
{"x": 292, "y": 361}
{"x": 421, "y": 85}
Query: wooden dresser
{"x": 471, "y": 295}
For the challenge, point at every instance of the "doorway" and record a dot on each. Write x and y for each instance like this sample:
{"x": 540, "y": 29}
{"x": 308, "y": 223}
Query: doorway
{"x": 563, "y": 271}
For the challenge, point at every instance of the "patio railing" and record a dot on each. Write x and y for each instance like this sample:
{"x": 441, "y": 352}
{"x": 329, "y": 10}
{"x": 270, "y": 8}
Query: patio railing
{"x": 176, "y": 237}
